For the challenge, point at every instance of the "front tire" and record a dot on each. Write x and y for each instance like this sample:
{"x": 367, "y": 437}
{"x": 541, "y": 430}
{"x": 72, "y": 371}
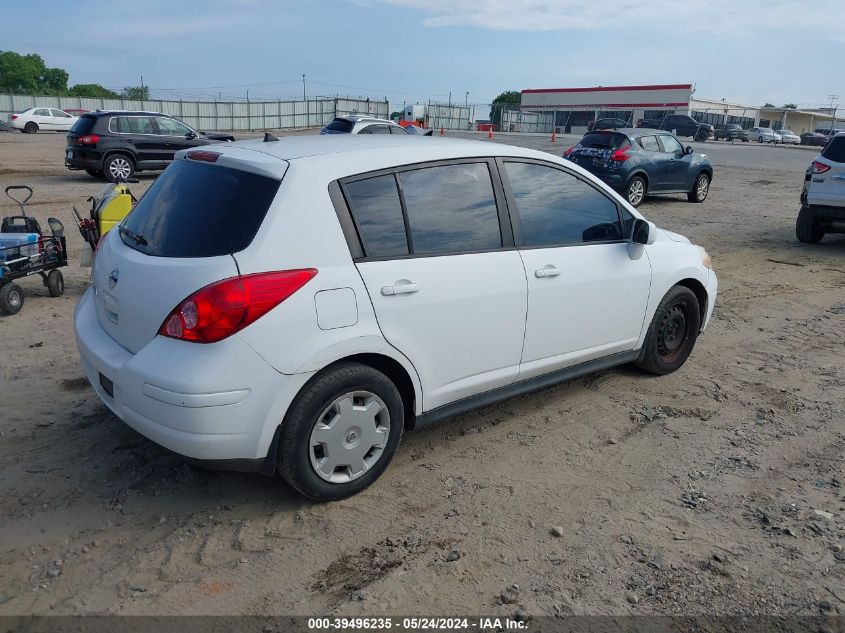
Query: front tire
{"x": 31, "y": 128}
{"x": 341, "y": 432}
{"x": 118, "y": 168}
{"x": 700, "y": 188}
{"x": 635, "y": 191}
{"x": 11, "y": 299}
{"x": 807, "y": 227}
{"x": 672, "y": 333}
{"x": 55, "y": 283}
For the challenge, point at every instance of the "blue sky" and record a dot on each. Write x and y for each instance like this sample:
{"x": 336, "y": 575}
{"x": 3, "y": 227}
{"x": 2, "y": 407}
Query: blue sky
{"x": 749, "y": 51}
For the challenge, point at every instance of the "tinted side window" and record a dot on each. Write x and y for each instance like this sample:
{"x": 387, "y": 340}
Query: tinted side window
{"x": 377, "y": 210}
{"x": 451, "y": 209}
{"x": 835, "y": 149}
{"x": 649, "y": 143}
{"x": 669, "y": 144}
{"x": 397, "y": 129}
{"x": 340, "y": 125}
{"x": 375, "y": 129}
{"x": 555, "y": 208}
{"x": 171, "y": 127}
{"x": 140, "y": 125}
{"x": 42, "y": 112}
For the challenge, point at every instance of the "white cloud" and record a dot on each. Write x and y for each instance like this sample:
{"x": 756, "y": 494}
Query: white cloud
{"x": 717, "y": 17}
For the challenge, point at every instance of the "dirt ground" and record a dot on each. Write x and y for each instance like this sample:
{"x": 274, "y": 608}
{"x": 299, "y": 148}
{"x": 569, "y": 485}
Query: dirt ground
{"x": 714, "y": 490}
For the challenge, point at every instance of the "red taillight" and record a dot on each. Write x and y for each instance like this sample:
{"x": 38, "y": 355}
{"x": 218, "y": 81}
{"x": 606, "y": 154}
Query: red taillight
{"x": 14, "y": 117}
{"x": 225, "y": 307}
{"x": 89, "y": 139}
{"x": 208, "y": 157}
{"x": 568, "y": 152}
{"x": 621, "y": 155}
{"x": 819, "y": 168}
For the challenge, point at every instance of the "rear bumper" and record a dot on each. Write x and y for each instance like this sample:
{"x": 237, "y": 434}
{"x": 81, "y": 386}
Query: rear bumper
{"x": 82, "y": 158}
{"x": 823, "y": 212}
{"x": 220, "y": 402}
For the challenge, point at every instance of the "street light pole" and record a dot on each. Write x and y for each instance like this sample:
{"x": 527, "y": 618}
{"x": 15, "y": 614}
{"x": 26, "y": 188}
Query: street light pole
{"x": 303, "y": 87}
{"x": 832, "y": 110}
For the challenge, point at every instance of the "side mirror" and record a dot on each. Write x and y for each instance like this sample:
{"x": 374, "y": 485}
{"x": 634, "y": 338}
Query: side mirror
{"x": 688, "y": 150}
{"x": 190, "y": 135}
{"x": 644, "y": 232}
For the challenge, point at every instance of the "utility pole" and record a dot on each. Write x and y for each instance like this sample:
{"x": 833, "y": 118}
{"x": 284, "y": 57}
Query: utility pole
{"x": 303, "y": 87}
{"x": 466, "y": 99}
{"x": 833, "y": 98}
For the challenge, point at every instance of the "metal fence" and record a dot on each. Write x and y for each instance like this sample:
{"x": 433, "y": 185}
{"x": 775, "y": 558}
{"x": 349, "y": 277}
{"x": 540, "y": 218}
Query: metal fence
{"x": 215, "y": 115}
{"x": 448, "y": 116}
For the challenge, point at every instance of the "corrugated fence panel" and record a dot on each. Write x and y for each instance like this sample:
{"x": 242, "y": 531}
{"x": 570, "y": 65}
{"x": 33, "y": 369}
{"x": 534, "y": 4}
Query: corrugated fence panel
{"x": 224, "y": 115}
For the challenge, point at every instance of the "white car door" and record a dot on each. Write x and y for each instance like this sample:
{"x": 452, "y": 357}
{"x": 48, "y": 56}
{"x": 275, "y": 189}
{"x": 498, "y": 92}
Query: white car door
{"x": 61, "y": 120}
{"x": 588, "y": 287}
{"x": 42, "y": 117}
{"x": 447, "y": 286}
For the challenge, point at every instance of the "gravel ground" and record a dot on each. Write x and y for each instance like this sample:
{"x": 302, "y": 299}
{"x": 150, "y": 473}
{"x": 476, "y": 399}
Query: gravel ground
{"x": 715, "y": 490}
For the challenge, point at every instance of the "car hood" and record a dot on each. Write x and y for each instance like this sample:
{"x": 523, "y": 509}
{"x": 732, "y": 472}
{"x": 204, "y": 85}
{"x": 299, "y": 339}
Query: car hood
{"x": 675, "y": 237}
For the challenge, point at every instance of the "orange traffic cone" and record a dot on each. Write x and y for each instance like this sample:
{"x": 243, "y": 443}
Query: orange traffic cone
{"x": 554, "y": 134}
{"x": 441, "y": 130}
{"x": 490, "y": 133}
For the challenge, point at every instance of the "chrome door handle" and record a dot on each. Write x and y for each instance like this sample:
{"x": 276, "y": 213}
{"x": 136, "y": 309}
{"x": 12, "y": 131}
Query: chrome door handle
{"x": 547, "y": 271}
{"x": 401, "y": 287}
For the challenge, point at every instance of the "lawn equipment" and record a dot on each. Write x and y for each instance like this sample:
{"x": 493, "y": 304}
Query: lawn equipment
{"x": 25, "y": 250}
{"x": 108, "y": 208}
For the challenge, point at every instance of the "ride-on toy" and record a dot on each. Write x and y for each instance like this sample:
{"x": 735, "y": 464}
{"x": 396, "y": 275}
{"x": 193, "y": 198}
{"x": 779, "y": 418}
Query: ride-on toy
{"x": 25, "y": 250}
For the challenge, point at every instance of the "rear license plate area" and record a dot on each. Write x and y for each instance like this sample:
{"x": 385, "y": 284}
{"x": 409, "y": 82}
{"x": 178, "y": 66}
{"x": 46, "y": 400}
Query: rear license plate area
{"x": 107, "y": 385}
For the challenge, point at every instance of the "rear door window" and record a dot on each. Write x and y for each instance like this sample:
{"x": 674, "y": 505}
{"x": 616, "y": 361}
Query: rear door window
{"x": 377, "y": 211}
{"x": 451, "y": 209}
{"x": 398, "y": 129}
{"x": 375, "y": 129}
{"x": 835, "y": 149}
{"x": 199, "y": 210}
{"x": 649, "y": 143}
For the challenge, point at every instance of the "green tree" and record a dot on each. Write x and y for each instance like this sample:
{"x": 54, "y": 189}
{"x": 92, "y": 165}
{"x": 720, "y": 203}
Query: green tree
{"x": 768, "y": 105}
{"x": 790, "y": 106}
{"x": 28, "y": 73}
{"x": 505, "y": 101}
{"x": 136, "y": 93}
{"x": 92, "y": 90}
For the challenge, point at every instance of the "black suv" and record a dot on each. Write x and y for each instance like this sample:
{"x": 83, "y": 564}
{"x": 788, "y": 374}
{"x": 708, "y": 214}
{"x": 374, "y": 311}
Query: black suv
{"x": 115, "y": 144}
{"x": 680, "y": 125}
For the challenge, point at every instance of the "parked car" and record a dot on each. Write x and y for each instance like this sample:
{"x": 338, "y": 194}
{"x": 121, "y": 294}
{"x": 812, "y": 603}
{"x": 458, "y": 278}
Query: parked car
{"x": 789, "y": 137}
{"x": 364, "y": 287}
{"x": 116, "y": 144}
{"x": 4, "y": 127}
{"x": 359, "y": 124}
{"x": 34, "y": 120}
{"x": 823, "y": 196}
{"x": 814, "y": 138}
{"x": 607, "y": 124}
{"x": 764, "y": 135}
{"x": 680, "y": 124}
{"x": 638, "y": 162}
{"x": 731, "y": 132}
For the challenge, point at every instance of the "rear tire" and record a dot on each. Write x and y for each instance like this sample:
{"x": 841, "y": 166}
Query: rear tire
{"x": 119, "y": 167}
{"x": 700, "y": 188}
{"x": 31, "y": 128}
{"x": 11, "y": 299}
{"x": 55, "y": 283}
{"x": 807, "y": 227}
{"x": 636, "y": 191}
{"x": 312, "y": 458}
{"x": 672, "y": 333}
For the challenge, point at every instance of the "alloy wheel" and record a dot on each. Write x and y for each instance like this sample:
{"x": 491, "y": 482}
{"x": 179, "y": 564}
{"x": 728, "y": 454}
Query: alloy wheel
{"x": 702, "y": 187}
{"x": 636, "y": 191}
{"x": 120, "y": 168}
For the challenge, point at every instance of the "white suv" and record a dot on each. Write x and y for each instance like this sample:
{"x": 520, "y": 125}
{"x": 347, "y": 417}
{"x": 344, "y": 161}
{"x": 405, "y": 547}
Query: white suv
{"x": 362, "y": 124}
{"x": 823, "y": 196}
{"x": 295, "y": 305}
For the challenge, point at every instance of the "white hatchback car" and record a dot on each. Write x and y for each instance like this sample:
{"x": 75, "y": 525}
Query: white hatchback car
{"x": 293, "y": 306}
{"x": 363, "y": 124}
{"x": 34, "y": 120}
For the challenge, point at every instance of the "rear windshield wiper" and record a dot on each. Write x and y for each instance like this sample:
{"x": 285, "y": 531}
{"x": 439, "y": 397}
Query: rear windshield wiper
{"x": 135, "y": 237}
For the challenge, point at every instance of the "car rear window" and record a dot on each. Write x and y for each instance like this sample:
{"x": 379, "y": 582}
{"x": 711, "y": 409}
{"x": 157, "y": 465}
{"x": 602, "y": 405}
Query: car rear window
{"x": 604, "y": 140}
{"x": 199, "y": 210}
{"x": 835, "y": 149}
{"x": 340, "y": 125}
{"x": 83, "y": 125}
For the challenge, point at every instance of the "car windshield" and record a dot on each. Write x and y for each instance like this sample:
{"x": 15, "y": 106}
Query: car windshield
{"x": 604, "y": 140}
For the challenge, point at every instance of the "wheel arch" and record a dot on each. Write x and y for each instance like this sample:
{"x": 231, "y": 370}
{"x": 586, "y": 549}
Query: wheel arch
{"x": 122, "y": 151}
{"x": 700, "y": 294}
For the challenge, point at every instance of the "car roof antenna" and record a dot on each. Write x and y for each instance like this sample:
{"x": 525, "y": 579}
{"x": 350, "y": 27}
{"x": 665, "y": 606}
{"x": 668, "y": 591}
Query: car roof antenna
{"x": 269, "y": 137}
